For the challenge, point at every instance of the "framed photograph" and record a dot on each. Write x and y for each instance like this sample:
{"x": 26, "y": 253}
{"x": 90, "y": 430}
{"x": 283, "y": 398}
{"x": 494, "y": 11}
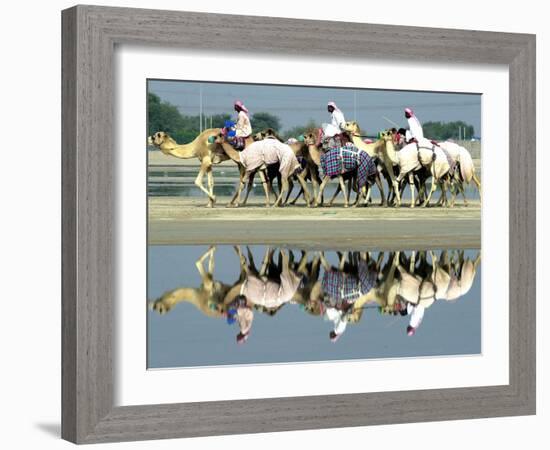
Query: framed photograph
{"x": 278, "y": 231}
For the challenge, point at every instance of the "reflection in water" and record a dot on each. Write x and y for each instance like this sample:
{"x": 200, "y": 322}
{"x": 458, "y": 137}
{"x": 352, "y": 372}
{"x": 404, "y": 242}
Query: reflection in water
{"x": 337, "y": 288}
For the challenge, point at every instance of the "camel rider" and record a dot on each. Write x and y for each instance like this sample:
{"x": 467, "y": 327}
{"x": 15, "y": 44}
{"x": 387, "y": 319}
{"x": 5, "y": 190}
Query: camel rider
{"x": 415, "y": 128}
{"x": 242, "y": 127}
{"x": 338, "y": 122}
{"x": 238, "y": 132}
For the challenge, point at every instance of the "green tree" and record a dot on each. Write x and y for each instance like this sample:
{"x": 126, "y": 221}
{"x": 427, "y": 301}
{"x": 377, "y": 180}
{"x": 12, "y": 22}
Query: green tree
{"x": 447, "y": 130}
{"x": 300, "y": 129}
{"x": 162, "y": 116}
{"x": 262, "y": 120}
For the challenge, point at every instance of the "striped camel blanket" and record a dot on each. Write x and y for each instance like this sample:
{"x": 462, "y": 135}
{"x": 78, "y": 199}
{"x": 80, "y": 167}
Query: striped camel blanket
{"x": 339, "y": 160}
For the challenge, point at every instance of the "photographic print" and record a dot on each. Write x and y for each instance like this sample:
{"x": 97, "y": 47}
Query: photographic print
{"x": 299, "y": 224}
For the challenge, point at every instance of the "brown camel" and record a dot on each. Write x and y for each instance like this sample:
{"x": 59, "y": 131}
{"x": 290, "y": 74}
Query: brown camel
{"x": 206, "y": 152}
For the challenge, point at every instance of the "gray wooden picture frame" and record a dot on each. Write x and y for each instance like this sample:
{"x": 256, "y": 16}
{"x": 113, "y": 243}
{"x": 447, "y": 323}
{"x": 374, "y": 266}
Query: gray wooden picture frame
{"x": 90, "y": 34}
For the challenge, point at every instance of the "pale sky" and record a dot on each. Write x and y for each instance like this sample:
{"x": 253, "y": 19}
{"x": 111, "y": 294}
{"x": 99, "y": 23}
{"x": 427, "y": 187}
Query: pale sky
{"x": 297, "y": 105}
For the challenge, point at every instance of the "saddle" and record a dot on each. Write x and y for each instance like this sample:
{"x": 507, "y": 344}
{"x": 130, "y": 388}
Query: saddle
{"x": 237, "y": 142}
{"x": 338, "y": 140}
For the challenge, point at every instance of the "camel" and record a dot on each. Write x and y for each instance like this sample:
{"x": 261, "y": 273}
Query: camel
{"x": 315, "y": 153}
{"x": 374, "y": 151}
{"x": 467, "y": 171}
{"x": 407, "y": 160}
{"x": 433, "y": 158}
{"x": 264, "y": 153}
{"x": 206, "y": 152}
{"x": 299, "y": 148}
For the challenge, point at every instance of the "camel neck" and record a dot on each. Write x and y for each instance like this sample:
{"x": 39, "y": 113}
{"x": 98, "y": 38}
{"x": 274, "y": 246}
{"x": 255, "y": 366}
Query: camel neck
{"x": 314, "y": 153}
{"x": 231, "y": 152}
{"x": 391, "y": 152}
{"x": 183, "y": 151}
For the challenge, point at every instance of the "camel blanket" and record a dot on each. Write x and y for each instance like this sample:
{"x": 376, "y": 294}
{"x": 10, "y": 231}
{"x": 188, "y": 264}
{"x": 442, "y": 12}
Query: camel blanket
{"x": 270, "y": 151}
{"x": 339, "y": 160}
{"x": 341, "y": 286}
{"x": 268, "y": 293}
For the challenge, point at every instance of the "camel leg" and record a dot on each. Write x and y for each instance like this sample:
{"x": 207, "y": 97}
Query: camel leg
{"x": 210, "y": 177}
{"x": 396, "y": 189}
{"x": 238, "y": 189}
{"x": 367, "y": 194}
{"x": 444, "y": 187}
{"x": 290, "y": 189}
{"x": 336, "y": 192}
{"x": 206, "y": 276}
{"x": 343, "y": 187}
{"x": 478, "y": 184}
{"x": 205, "y": 165}
{"x": 266, "y": 188}
{"x": 380, "y": 186}
{"x": 394, "y": 182}
{"x": 293, "y": 202}
{"x": 411, "y": 186}
{"x": 396, "y": 193}
{"x": 460, "y": 186}
{"x": 454, "y": 187}
{"x": 303, "y": 185}
{"x": 321, "y": 189}
{"x": 440, "y": 200}
{"x": 432, "y": 188}
{"x": 314, "y": 184}
{"x": 249, "y": 185}
{"x": 284, "y": 189}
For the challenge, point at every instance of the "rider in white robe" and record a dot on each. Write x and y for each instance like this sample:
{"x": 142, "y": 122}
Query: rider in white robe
{"x": 338, "y": 121}
{"x": 415, "y": 128}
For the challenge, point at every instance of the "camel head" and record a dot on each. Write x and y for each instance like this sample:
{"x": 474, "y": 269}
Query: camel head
{"x": 161, "y": 306}
{"x": 159, "y": 138}
{"x": 205, "y": 300}
{"x": 218, "y": 138}
{"x": 267, "y": 133}
{"x": 352, "y": 127}
{"x": 310, "y": 137}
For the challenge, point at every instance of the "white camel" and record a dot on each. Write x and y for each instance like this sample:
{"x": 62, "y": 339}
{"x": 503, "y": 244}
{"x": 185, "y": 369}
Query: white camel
{"x": 467, "y": 173}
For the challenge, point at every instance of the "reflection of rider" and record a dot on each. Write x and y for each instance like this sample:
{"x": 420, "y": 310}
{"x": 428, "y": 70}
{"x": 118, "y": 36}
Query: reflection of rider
{"x": 341, "y": 289}
{"x": 419, "y": 293}
{"x": 340, "y": 319}
{"x": 270, "y": 291}
{"x": 417, "y": 314}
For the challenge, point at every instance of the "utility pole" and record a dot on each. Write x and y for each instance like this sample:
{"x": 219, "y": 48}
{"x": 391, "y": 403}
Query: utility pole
{"x": 200, "y": 107}
{"x": 354, "y": 105}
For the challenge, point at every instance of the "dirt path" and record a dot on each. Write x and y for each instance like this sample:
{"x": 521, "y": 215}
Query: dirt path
{"x": 179, "y": 220}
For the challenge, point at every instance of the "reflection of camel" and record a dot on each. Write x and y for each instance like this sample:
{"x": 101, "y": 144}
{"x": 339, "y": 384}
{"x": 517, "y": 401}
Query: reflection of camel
{"x": 395, "y": 283}
{"x": 200, "y": 148}
{"x": 208, "y": 297}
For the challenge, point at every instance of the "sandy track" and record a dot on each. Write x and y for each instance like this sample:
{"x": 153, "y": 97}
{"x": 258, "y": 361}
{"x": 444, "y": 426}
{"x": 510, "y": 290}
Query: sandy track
{"x": 179, "y": 220}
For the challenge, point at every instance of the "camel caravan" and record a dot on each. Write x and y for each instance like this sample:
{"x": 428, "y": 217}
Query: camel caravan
{"x": 334, "y": 151}
{"x": 403, "y": 284}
